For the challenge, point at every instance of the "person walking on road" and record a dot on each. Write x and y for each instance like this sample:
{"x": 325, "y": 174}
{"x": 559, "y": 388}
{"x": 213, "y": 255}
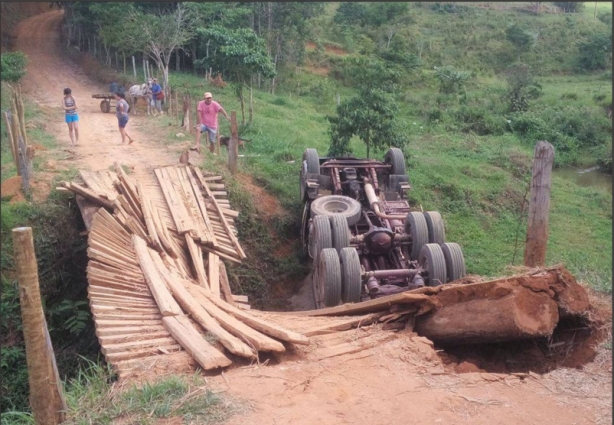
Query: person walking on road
{"x": 69, "y": 104}
{"x": 121, "y": 113}
{"x": 156, "y": 92}
{"x": 207, "y": 121}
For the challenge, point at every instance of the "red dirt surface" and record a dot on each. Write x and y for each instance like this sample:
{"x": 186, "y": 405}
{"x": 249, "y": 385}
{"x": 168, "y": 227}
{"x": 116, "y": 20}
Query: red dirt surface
{"x": 395, "y": 378}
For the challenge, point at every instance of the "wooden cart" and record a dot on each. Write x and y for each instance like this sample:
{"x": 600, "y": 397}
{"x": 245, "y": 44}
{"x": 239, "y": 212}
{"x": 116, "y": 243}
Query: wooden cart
{"x": 105, "y": 104}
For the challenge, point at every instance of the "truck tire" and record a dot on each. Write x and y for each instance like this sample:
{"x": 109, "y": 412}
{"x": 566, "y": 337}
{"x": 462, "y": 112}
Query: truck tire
{"x": 105, "y": 106}
{"x": 432, "y": 260}
{"x": 340, "y": 232}
{"x": 319, "y": 237}
{"x": 328, "y": 279}
{"x": 313, "y": 166}
{"x": 415, "y": 225}
{"x": 337, "y": 204}
{"x": 395, "y": 157}
{"x": 350, "y": 275}
{"x": 437, "y": 232}
{"x": 455, "y": 261}
{"x": 395, "y": 179}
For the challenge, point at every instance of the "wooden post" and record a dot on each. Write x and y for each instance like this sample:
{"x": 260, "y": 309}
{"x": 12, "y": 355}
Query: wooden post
{"x": 16, "y": 130}
{"x": 46, "y": 399}
{"x": 537, "y": 228}
{"x": 124, "y": 64}
{"x": 9, "y": 132}
{"x": 134, "y": 67}
{"x": 595, "y": 10}
{"x": 233, "y": 145}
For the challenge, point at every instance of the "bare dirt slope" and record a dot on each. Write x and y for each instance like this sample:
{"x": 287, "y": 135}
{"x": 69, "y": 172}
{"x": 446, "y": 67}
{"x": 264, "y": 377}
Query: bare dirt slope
{"x": 392, "y": 378}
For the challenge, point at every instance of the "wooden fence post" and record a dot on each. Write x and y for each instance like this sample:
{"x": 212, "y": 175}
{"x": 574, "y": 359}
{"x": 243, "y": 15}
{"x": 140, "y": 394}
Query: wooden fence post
{"x": 233, "y": 144}
{"x": 134, "y": 67}
{"x": 539, "y": 206}
{"x": 46, "y": 399}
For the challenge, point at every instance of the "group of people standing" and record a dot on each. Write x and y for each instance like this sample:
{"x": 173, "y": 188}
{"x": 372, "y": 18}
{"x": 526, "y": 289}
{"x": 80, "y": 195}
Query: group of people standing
{"x": 207, "y": 112}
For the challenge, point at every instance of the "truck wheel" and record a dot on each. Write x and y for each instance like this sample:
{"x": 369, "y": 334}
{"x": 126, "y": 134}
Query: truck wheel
{"x": 432, "y": 260}
{"x": 415, "y": 225}
{"x": 350, "y": 275}
{"x": 455, "y": 261}
{"x": 340, "y": 232}
{"x": 105, "y": 106}
{"x": 305, "y": 230}
{"x": 395, "y": 157}
{"x": 395, "y": 179}
{"x": 337, "y": 204}
{"x": 319, "y": 237}
{"x": 313, "y": 166}
{"x": 437, "y": 233}
{"x": 328, "y": 280}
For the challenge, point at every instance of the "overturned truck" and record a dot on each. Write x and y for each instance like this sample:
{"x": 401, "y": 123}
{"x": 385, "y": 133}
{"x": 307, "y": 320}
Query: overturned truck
{"x": 362, "y": 235}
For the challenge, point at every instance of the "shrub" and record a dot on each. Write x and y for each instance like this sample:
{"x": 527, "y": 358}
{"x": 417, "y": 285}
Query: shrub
{"x": 521, "y": 87}
{"x": 569, "y": 6}
{"x": 519, "y": 37}
{"x": 13, "y": 66}
{"x": 451, "y": 80}
{"x": 596, "y": 52}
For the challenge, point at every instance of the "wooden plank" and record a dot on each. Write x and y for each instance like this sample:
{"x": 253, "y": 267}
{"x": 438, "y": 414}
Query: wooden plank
{"x": 88, "y": 194}
{"x": 149, "y": 224}
{"x": 173, "y": 203}
{"x": 240, "y": 298}
{"x": 201, "y": 205}
{"x": 124, "y": 316}
{"x": 200, "y": 315}
{"x": 129, "y": 190}
{"x": 172, "y": 182}
{"x": 95, "y": 289}
{"x": 212, "y": 178}
{"x": 113, "y": 357}
{"x": 138, "y": 344}
{"x": 130, "y": 330}
{"x": 263, "y": 326}
{"x": 163, "y": 235}
{"x": 106, "y": 322}
{"x": 202, "y": 231}
{"x": 207, "y": 356}
{"x": 222, "y": 254}
{"x": 197, "y": 261}
{"x": 168, "y": 306}
{"x": 343, "y": 325}
{"x": 234, "y": 326}
{"x": 118, "y": 339}
{"x": 378, "y": 304}
{"x": 214, "y": 274}
{"x": 225, "y": 285}
{"x": 233, "y": 238}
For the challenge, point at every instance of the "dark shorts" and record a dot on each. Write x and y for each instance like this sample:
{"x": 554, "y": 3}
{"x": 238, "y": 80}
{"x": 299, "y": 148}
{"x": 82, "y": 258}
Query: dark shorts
{"x": 122, "y": 120}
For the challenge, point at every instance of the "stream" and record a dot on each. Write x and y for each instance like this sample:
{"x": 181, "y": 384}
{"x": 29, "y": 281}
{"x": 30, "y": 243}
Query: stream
{"x": 589, "y": 177}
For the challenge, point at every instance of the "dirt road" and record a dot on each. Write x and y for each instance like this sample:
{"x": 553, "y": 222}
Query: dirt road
{"x": 401, "y": 379}
{"x": 48, "y": 73}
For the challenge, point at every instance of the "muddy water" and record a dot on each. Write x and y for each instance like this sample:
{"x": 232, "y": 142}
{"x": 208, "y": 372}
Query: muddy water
{"x": 589, "y": 177}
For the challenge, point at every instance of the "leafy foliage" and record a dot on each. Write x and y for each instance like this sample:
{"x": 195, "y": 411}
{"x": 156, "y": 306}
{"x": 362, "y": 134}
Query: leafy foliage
{"x": 521, "y": 87}
{"x": 13, "y": 66}
{"x": 569, "y": 6}
{"x": 351, "y": 13}
{"x": 371, "y": 117}
{"x": 519, "y": 37}
{"x": 451, "y": 80}
{"x": 596, "y": 52}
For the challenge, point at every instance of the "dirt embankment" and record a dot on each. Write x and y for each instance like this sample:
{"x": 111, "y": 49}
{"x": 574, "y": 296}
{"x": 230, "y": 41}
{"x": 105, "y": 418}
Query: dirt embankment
{"x": 13, "y": 12}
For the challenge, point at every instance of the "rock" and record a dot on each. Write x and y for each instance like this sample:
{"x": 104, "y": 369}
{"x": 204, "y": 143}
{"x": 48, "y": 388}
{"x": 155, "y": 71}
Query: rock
{"x": 179, "y": 135}
{"x": 466, "y": 367}
{"x": 11, "y": 187}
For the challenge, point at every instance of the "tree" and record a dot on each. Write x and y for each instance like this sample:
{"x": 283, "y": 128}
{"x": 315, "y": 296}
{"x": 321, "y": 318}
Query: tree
{"x": 521, "y": 87}
{"x": 371, "y": 117}
{"x": 159, "y": 34}
{"x": 451, "y": 80}
{"x": 350, "y": 13}
{"x": 238, "y": 55}
{"x": 569, "y": 6}
{"x": 521, "y": 39}
{"x": 596, "y": 52}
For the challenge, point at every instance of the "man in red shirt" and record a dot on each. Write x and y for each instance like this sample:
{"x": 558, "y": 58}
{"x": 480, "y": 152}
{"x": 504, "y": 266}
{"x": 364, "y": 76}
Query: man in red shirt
{"x": 207, "y": 121}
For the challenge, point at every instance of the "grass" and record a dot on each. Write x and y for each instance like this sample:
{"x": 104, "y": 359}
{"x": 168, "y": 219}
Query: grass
{"x": 93, "y": 398}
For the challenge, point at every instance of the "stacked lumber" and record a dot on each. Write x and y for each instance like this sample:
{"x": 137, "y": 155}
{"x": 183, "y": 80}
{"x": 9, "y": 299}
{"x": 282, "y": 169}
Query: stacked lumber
{"x": 158, "y": 286}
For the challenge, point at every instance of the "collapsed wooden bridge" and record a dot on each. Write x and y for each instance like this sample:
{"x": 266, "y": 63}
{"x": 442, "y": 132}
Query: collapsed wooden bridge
{"x": 161, "y": 300}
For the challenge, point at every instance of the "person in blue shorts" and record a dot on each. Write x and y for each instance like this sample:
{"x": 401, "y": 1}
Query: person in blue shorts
{"x": 69, "y": 104}
{"x": 122, "y": 116}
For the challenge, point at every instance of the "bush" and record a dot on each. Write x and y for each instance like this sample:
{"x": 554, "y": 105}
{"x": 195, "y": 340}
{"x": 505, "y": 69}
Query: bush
{"x": 451, "y": 80}
{"x": 596, "y": 52}
{"x": 479, "y": 120}
{"x": 13, "y": 66}
{"x": 521, "y": 87}
{"x": 569, "y": 6}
